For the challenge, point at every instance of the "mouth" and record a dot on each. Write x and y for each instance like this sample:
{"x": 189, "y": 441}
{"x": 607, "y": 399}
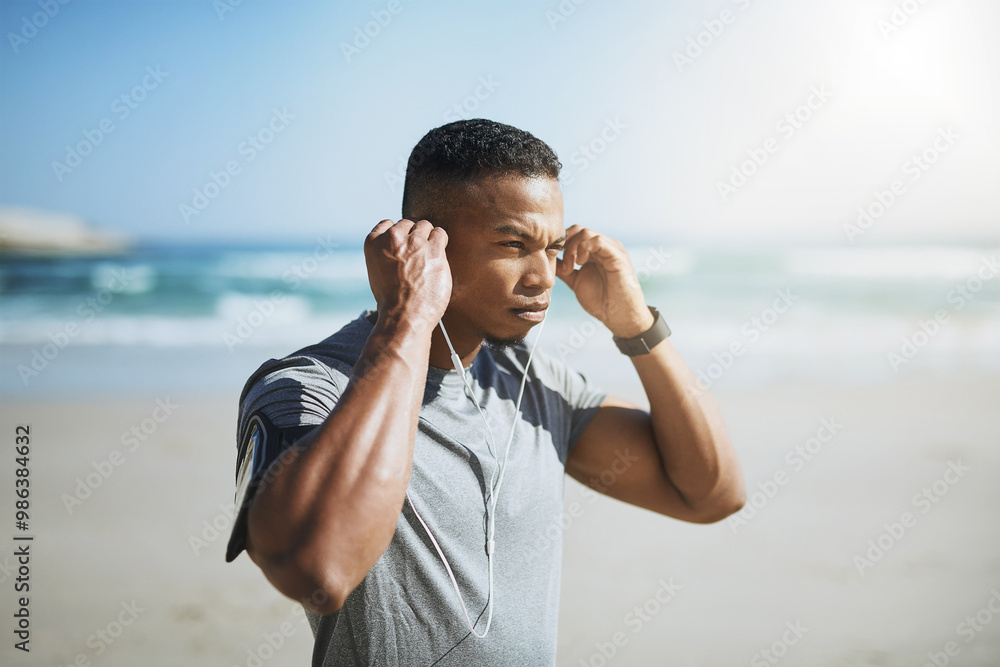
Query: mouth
{"x": 533, "y": 313}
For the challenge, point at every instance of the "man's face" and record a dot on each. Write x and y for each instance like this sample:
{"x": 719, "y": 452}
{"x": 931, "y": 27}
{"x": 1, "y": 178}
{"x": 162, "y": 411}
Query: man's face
{"x": 502, "y": 247}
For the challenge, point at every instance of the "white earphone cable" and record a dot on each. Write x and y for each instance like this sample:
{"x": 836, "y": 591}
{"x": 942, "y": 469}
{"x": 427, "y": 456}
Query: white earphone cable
{"x": 494, "y": 487}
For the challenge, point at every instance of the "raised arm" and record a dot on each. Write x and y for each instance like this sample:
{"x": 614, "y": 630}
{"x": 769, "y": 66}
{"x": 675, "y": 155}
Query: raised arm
{"x": 327, "y": 515}
{"x": 676, "y": 459}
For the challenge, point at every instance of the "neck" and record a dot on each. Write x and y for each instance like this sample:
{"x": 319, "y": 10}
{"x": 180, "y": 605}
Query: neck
{"x": 467, "y": 347}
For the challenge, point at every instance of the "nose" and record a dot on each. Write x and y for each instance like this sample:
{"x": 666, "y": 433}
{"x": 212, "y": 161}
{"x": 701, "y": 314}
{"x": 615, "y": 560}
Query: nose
{"x": 540, "y": 272}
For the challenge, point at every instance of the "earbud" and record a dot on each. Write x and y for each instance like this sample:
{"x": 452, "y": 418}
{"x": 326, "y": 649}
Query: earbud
{"x": 494, "y": 488}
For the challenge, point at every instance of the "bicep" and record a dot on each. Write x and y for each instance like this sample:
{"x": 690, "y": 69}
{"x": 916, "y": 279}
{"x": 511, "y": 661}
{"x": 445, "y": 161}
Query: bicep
{"x": 264, "y": 450}
{"x": 276, "y": 412}
{"x": 617, "y": 455}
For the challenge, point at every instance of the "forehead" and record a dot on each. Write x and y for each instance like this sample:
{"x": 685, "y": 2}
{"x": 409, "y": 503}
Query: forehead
{"x": 500, "y": 204}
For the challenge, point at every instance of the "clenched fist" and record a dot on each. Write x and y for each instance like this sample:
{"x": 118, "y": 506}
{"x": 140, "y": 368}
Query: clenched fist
{"x": 408, "y": 268}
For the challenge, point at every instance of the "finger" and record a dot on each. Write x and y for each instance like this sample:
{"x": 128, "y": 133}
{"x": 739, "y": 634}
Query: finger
{"x": 607, "y": 253}
{"x": 599, "y": 249}
{"x": 402, "y": 229}
{"x": 422, "y": 227}
{"x": 574, "y": 241}
{"x": 378, "y": 229}
{"x": 438, "y": 235}
{"x": 568, "y": 277}
{"x": 573, "y": 232}
{"x": 560, "y": 266}
{"x": 570, "y": 259}
{"x": 564, "y": 264}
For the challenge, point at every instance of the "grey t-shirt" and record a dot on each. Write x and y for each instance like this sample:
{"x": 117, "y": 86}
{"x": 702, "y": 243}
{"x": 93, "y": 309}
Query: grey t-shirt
{"x": 405, "y": 611}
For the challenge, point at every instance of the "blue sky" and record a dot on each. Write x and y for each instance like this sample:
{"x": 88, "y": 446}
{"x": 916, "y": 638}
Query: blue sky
{"x": 777, "y": 128}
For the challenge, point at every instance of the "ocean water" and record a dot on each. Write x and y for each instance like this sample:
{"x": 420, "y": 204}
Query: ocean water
{"x": 201, "y": 318}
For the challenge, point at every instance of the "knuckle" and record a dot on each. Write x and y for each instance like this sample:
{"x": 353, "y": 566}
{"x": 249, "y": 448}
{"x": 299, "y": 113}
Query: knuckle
{"x": 378, "y": 230}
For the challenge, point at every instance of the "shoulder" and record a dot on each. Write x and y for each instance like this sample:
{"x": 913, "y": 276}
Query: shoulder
{"x": 314, "y": 376}
{"x": 573, "y": 386}
{"x": 335, "y": 355}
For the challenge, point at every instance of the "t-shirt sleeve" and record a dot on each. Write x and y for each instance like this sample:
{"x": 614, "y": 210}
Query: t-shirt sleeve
{"x": 282, "y": 402}
{"x": 582, "y": 396}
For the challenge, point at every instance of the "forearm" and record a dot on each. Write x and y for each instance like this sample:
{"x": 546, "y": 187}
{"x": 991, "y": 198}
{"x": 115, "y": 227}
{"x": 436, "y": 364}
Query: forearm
{"x": 690, "y": 433}
{"x": 687, "y": 427}
{"x": 329, "y": 514}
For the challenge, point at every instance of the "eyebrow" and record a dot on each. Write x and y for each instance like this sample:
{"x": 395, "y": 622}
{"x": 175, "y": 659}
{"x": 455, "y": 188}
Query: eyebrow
{"x": 520, "y": 233}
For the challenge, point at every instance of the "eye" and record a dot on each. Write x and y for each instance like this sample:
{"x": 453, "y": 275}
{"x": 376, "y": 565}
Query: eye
{"x": 513, "y": 244}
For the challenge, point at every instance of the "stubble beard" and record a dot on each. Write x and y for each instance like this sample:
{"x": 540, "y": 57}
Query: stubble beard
{"x": 503, "y": 344}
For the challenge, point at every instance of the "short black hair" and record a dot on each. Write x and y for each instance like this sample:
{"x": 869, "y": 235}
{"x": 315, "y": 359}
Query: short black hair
{"x": 451, "y": 156}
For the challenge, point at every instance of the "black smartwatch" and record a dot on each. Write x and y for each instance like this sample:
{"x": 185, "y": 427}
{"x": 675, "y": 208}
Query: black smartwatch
{"x": 646, "y": 341}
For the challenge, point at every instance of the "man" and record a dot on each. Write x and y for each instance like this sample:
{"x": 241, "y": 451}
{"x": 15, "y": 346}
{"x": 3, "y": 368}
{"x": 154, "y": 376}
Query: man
{"x": 367, "y": 459}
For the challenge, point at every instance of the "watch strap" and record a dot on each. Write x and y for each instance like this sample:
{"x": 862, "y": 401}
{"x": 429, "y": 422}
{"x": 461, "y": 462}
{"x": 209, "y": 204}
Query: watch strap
{"x": 646, "y": 341}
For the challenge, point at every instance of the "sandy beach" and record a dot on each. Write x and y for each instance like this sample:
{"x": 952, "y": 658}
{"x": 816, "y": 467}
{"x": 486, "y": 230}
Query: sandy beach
{"x": 133, "y": 572}
{"x": 806, "y": 193}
